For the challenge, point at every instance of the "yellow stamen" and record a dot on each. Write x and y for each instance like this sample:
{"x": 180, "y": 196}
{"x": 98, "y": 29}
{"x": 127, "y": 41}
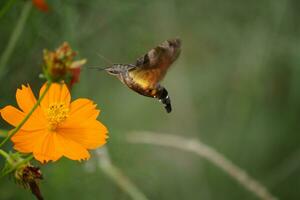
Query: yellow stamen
{"x": 56, "y": 113}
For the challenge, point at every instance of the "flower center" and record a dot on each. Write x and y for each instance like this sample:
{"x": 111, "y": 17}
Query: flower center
{"x": 56, "y": 113}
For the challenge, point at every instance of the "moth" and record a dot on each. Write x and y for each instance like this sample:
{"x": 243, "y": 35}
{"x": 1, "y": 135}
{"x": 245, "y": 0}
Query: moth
{"x": 144, "y": 76}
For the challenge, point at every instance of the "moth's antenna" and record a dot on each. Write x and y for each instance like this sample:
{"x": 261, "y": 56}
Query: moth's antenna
{"x": 104, "y": 58}
{"x": 97, "y": 68}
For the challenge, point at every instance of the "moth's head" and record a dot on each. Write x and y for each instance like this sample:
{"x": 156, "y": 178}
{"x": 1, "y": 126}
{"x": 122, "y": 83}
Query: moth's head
{"x": 112, "y": 71}
{"x": 174, "y": 43}
{"x": 172, "y": 47}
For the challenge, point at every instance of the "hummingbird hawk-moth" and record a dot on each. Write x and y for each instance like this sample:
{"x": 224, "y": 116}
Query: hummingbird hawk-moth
{"x": 145, "y": 74}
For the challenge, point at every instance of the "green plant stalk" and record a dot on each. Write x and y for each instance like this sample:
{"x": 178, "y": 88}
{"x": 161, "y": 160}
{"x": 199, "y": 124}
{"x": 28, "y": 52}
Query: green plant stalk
{"x": 15, "y": 130}
{"x": 4, "y": 154}
{"x": 116, "y": 175}
{"x": 123, "y": 182}
{"x": 27, "y": 159}
{"x": 6, "y": 7}
{"x": 14, "y": 38}
{"x": 207, "y": 152}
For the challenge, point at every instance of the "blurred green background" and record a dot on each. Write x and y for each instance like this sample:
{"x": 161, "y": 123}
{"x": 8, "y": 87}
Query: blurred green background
{"x": 236, "y": 87}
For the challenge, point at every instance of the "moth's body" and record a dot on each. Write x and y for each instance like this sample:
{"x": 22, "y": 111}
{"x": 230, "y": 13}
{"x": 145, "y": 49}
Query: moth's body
{"x": 144, "y": 76}
{"x": 126, "y": 74}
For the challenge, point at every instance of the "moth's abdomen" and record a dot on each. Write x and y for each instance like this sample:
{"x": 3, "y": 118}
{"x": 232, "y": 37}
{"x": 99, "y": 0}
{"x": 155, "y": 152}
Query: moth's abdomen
{"x": 143, "y": 88}
{"x": 162, "y": 95}
{"x": 140, "y": 86}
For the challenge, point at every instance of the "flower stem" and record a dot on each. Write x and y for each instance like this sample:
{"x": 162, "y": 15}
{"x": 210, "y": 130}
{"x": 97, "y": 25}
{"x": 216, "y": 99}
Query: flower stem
{"x": 14, "y": 38}
{"x": 116, "y": 175}
{"x": 4, "y": 154}
{"x": 16, "y": 166}
{"x": 15, "y": 130}
{"x": 207, "y": 152}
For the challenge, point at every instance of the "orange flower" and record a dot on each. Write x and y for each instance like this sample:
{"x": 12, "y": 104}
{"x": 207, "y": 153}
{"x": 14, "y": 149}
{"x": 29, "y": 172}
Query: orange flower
{"x": 58, "y": 127}
{"x": 41, "y": 5}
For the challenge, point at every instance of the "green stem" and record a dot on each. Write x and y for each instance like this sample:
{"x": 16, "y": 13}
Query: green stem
{"x": 7, "y": 158}
{"x": 6, "y": 7}
{"x": 15, "y": 130}
{"x": 115, "y": 174}
{"x": 4, "y": 154}
{"x": 207, "y": 152}
{"x": 14, "y": 38}
{"x": 16, "y": 166}
{"x": 26, "y": 160}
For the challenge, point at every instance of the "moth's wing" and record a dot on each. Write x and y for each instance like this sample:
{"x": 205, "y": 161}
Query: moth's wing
{"x": 155, "y": 64}
{"x": 168, "y": 51}
{"x": 151, "y": 58}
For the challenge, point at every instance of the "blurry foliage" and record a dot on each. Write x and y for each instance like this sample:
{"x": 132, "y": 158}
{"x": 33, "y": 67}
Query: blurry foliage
{"x": 235, "y": 86}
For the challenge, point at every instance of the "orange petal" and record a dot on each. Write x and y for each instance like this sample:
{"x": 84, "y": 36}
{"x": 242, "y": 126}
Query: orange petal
{"x": 25, "y": 98}
{"x": 81, "y": 109}
{"x": 71, "y": 149}
{"x": 58, "y": 93}
{"x": 47, "y": 148}
{"x": 14, "y": 117}
{"x": 26, "y": 101}
{"x": 41, "y": 5}
{"x": 25, "y": 141}
{"x": 91, "y": 135}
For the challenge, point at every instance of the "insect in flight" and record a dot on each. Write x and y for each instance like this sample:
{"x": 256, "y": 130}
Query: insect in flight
{"x": 145, "y": 74}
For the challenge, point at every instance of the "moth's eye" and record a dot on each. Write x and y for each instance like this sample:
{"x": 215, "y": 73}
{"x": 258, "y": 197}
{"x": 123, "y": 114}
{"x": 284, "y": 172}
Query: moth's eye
{"x": 146, "y": 59}
{"x": 173, "y": 44}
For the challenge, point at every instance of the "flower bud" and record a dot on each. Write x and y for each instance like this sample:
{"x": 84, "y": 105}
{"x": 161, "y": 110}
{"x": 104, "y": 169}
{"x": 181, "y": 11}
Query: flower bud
{"x": 59, "y": 65}
{"x": 29, "y": 176}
